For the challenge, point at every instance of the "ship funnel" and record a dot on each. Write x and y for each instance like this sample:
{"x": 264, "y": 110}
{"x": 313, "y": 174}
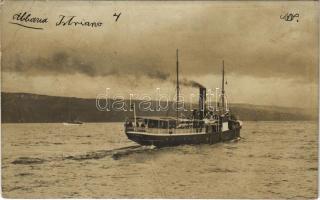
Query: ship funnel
{"x": 202, "y": 101}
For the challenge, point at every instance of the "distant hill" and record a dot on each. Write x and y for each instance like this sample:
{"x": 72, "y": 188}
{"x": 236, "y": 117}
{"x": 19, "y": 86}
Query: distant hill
{"x": 33, "y": 108}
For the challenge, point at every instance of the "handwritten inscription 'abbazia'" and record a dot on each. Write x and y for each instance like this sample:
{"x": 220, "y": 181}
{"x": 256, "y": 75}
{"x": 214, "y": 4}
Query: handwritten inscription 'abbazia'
{"x": 26, "y": 17}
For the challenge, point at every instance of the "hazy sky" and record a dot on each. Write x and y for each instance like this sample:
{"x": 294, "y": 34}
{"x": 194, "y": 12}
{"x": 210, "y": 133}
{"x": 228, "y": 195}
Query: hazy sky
{"x": 268, "y": 60}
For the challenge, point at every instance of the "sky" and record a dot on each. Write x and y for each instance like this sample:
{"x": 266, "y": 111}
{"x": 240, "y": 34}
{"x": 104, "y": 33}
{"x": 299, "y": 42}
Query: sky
{"x": 268, "y": 61}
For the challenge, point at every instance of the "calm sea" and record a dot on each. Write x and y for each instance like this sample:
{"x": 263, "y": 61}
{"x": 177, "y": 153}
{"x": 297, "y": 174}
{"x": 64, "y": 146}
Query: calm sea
{"x": 94, "y": 160}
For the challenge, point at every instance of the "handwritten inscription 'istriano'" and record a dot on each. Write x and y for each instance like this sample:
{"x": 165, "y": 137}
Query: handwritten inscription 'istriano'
{"x": 72, "y": 21}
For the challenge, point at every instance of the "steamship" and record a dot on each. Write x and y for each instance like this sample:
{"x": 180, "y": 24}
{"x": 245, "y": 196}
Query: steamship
{"x": 204, "y": 127}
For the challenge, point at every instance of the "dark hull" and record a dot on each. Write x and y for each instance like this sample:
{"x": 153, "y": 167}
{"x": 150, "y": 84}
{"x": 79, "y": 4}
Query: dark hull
{"x": 179, "y": 139}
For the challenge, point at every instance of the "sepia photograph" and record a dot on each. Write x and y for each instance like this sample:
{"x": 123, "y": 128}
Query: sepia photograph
{"x": 159, "y": 99}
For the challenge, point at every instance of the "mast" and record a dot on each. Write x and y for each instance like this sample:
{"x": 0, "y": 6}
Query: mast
{"x": 177, "y": 83}
{"x": 222, "y": 91}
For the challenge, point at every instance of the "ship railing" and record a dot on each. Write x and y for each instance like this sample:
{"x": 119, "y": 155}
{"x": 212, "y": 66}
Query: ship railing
{"x": 168, "y": 130}
{"x": 182, "y": 128}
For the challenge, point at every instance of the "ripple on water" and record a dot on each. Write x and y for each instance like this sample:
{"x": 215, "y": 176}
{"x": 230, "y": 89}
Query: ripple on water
{"x": 28, "y": 160}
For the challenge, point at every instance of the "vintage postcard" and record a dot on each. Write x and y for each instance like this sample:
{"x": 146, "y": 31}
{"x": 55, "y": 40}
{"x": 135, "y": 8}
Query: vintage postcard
{"x": 159, "y": 99}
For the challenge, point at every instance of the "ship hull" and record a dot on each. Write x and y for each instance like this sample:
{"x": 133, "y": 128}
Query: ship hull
{"x": 164, "y": 140}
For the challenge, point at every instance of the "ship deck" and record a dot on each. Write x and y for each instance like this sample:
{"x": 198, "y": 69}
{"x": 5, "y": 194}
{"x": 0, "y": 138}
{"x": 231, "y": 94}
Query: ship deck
{"x": 167, "y": 134}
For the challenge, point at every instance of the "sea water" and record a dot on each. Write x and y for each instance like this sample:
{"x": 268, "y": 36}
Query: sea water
{"x": 96, "y": 160}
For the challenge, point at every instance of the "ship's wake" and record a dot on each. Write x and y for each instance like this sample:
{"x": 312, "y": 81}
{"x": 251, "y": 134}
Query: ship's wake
{"x": 114, "y": 153}
{"x": 93, "y": 155}
{"x": 99, "y": 154}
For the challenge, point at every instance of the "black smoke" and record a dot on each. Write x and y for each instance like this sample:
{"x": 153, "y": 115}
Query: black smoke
{"x": 68, "y": 63}
{"x": 191, "y": 83}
